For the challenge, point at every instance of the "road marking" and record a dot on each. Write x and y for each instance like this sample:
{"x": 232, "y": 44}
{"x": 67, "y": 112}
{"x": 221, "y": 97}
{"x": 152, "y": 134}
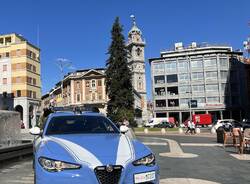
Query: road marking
{"x": 21, "y": 181}
{"x": 175, "y": 149}
{"x": 241, "y": 156}
{"x": 201, "y": 144}
{"x": 185, "y": 181}
{"x": 155, "y": 143}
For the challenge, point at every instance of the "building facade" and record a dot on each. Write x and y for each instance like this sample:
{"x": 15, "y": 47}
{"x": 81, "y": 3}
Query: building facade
{"x": 20, "y": 75}
{"x": 136, "y": 62}
{"x": 209, "y": 74}
{"x": 82, "y": 88}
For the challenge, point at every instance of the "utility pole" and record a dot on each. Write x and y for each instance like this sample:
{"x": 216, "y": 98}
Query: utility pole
{"x": 63, "y": 63}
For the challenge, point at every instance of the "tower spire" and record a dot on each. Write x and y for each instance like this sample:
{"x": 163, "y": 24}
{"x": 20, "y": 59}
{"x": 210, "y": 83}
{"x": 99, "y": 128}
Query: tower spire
{"x": 133, "y": 19}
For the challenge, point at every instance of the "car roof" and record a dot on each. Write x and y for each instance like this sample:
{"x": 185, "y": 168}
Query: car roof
{"x": 70, "y": 113}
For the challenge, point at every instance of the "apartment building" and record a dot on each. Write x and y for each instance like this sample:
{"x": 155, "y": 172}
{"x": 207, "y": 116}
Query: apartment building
{"x": 20, "y": 75}
{"x": 82, "y": 88}
{"x": 212, "y": 75}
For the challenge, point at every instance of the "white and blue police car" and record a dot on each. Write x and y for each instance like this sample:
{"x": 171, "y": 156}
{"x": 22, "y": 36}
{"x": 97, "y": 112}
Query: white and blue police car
{"x": 88, "y": 148}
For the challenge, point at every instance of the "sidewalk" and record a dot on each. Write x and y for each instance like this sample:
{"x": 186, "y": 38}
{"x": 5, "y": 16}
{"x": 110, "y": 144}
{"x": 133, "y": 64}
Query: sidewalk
{"x": 176, "y": 133}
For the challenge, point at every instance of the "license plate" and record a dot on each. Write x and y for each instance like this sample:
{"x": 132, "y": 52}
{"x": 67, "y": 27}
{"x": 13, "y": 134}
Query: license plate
{"x": 144, "y": 177}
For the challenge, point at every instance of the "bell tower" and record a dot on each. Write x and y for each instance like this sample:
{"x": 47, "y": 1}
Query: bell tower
{"x": 136, "y": 62}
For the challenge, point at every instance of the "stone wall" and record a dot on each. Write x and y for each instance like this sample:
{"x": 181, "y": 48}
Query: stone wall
{"x": 10, "y": 128}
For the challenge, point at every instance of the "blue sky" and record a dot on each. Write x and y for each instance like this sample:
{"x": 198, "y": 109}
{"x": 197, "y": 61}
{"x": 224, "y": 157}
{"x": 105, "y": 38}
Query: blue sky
{"x": 79, "y": 30}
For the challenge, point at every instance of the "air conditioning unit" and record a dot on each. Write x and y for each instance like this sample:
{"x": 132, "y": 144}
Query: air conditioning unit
{"x": 178, "y": 46}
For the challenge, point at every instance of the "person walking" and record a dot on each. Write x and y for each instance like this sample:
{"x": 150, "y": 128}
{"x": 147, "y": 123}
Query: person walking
{"x": 192, "y": 127}
{"x": 188, "y": 127}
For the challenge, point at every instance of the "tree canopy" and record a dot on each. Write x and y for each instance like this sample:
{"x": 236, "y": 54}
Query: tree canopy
{"x": 118, "y": 78}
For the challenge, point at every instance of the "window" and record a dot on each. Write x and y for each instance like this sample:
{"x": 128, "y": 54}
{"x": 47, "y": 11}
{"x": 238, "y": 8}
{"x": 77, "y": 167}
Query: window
{"x": 158, "y": 68}
{"x": 197, "y": 76}
{"x": 138, "y": 51}
{"x": 183, "y": 66}
{"x": 185, "y": 77}
{"x": 223, "y": 62}
{"x": 29, "y": 80}
{"x": 160, "y": 91}
{"x": 100, "y": 96}
{"x": 78, "y": 97}
{"x": 212, "y": 99}
{"x": 18, "y": 66}
{"x": 34, "y": 68}
{"x": 200, "y": 100}
{"x": 210, "y": 62}
{"x": 184, "y": 101}
{"x": 159, "y": 79}
{"x": 80, "y": 125}
{"x": 34, "y": 81}
{"x": 4, "y": 80}
{"x": 160, "y": 103}
{"x": 211, "y": 75}
{"x": 212, "y": 88}
{"x": 4, "y": 68}
{"x": 87, "y": 84}
{"x": 99, "y": 82}
{"x": 18, "y": 52}
{"x": 7, "y": 54}
{"x": 184, "y": 89}
{"x": 140, "y": 85}
{"x": 34, "y": 94}
{"x": 172, "y": 78}
{"x": 18, "y": 93}
{"x": 170, "y": 66}
{"x": 196, "y": 64}
{"x": 77, "y": 85}
{"x": 29, "y": 54}
{"x": 29, "y": 66}
{"x": 93, "y": 84}
{"x": 223, "y": 74}
{"x": 198, "y": 88}
{"x": 29, "y": 94}
{"x": 18, "y": 80}
{"x": 173, "y": 102}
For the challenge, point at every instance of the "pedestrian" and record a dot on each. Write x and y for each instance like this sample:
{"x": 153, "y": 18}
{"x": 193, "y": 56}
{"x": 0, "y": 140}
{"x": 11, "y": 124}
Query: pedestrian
{"x": 125, "y": 122}
{"x": 188, "y": 127}
{"x": 192, "y": 127}
{"x": 44, "y": 116}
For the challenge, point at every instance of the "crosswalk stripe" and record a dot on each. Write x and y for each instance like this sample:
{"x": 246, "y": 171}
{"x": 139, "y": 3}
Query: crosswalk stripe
{"x": 155, "y": 143}
{"x": 201, "y": 144}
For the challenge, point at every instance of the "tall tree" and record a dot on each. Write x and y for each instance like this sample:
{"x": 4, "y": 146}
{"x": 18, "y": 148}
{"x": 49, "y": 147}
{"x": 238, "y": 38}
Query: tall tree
{"x": 118, "y": 78}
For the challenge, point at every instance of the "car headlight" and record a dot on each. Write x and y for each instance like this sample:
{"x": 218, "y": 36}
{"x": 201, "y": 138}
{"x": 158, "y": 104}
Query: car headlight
{"x": 55, "y": 165}
{"x": 148, "y": 160}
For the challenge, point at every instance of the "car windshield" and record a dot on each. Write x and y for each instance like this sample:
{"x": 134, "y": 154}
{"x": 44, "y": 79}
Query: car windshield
{"x": 80, "y": 125}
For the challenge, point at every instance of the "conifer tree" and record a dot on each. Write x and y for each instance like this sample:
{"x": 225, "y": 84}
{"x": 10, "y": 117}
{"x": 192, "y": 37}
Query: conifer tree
{"x": 118, "y": 78}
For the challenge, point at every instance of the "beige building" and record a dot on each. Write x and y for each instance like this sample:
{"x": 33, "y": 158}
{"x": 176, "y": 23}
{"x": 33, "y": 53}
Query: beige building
{"x": 81, "y": 88}
{"x": 20, "y": 75}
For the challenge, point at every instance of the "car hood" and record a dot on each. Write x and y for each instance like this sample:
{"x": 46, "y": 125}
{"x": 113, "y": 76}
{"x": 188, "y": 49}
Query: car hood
{"x": 94, "y": 149}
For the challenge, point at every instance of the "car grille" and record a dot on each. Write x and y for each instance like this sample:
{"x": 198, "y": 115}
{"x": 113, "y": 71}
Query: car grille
{"x": 105, "y": 177}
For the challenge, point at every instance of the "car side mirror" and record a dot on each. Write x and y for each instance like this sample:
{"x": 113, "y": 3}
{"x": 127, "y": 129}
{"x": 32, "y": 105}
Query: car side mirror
{"x": 123, "y": 129}
{"x": 35, "y": 131}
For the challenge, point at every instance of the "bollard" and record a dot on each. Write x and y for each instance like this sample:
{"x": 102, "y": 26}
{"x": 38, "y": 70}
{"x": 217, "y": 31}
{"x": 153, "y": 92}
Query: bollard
{"x": 213, "y": 131}
{"x": 198, "y": 130}
{"x": 146, "y": 131}
{"x": 163, "y": 131}
{"x": 180, "y": 130}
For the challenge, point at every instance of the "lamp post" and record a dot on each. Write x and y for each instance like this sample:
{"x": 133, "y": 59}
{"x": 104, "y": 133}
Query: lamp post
{"x": 63, "y": 63}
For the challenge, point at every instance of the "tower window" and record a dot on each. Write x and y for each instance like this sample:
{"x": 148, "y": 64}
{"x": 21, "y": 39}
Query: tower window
{"x": 138, "y": 51}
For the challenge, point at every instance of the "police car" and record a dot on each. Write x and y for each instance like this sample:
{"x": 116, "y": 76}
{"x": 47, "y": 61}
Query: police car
{"x": 87, "y": 148}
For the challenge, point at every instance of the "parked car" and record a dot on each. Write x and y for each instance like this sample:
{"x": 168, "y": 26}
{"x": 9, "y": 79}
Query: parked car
{"x": 165, "y": 124}
{"x": 155, "y": 121}
{"x": 227, "y": 124}
{"x": 89, "y": 148}
{"x": 245, "y": 123}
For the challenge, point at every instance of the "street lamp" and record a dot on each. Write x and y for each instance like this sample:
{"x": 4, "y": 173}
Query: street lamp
{"x": 63, "y": 63}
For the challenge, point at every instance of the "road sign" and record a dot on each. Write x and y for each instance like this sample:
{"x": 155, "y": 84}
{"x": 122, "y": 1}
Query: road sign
{"x": 193, "y": 103}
